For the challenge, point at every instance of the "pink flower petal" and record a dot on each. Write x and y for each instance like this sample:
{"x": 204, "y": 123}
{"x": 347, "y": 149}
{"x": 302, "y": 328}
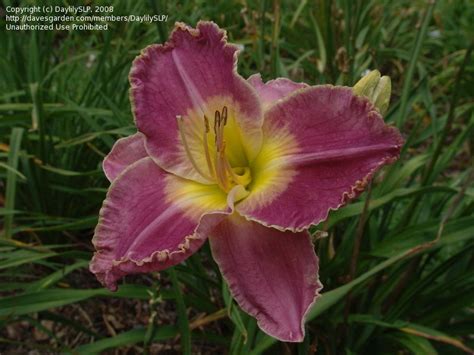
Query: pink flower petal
{"x": 125, "y": 152}
{"x": 329, "y": 143}
{"x": 152, "y": 220}
{"x": 192, "y": 75}
{"x": 272, "y": 275}
{"x": 274, "y": 90}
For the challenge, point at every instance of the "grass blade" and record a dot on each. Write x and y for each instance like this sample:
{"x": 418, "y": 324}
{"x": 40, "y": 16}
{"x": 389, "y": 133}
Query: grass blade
{"x": 10, "y": 195}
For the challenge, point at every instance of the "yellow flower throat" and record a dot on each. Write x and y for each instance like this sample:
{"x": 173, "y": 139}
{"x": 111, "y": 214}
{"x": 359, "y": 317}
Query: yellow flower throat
{"x": 219, "y": 170}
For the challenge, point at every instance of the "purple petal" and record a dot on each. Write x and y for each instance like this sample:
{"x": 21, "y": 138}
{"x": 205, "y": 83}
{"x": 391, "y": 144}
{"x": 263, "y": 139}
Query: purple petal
{"x": 321, "y": 147}
{"x": 272, "y": 275}
{"x": 192, "y": 75}
{"x": 274, "y": 90}
{"x": 151, "y": 220}
{"x": 125, "y": 152}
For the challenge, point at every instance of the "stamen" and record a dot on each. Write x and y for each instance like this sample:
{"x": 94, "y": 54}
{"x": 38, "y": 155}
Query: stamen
{"x": 179, "y": 120}
{"x": 221, "y": 171}
{"x": 206, "y": 147}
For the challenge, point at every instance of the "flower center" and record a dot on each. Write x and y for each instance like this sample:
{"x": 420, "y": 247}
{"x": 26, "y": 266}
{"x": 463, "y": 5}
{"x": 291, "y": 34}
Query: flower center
{"x": 218, "y": 167}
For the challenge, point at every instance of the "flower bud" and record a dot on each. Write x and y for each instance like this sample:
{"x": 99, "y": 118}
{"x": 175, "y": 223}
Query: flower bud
{"x": 377, "y": 89}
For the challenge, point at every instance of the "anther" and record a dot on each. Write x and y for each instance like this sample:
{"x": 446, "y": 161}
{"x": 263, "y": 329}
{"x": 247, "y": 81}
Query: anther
{"x": 206, "y": 124}
{"x": 217, "y": 119}
{"x": 224, "y": 114}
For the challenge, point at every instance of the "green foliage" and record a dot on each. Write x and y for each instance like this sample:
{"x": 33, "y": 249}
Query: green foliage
{"x": 410, "y": 287}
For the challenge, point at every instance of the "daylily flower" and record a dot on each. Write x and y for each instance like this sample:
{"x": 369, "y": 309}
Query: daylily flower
{"x": 246, "y": 164}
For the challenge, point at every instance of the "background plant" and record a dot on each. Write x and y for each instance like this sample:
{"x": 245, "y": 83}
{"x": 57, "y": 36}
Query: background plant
{"x": 396, "y": 263}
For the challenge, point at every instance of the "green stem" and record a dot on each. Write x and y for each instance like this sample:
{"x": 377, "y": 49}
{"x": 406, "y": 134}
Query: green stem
{"x": 275, "y": 50}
